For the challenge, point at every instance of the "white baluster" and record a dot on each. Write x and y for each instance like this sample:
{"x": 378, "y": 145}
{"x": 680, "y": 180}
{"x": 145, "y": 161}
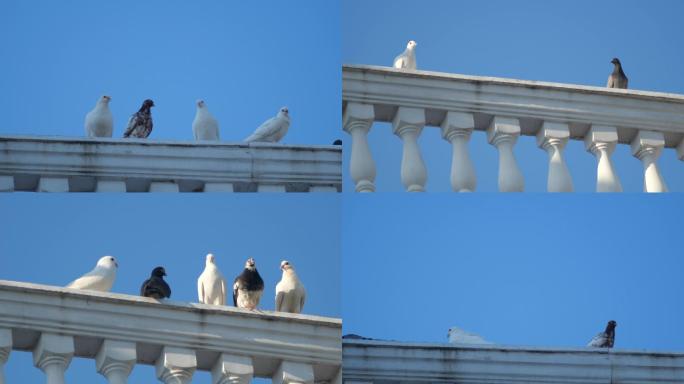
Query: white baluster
{"x": 176, "y": 365}
{"x": 53, "y": 184}
{"x": 408, "y": 124}
{"x": 5, "y": 349}
{"x": 646, "y": 147}
{"x": 357, "y": 121}
{"x": 293, "y": 373}
{"x": 502, "y": 133}
{"x": 115, "y": 360}
{"x": 52, "y": 355}
{"x": 338, "y": 377}
{"x": 601, "y": 141}
{"x": 218, "y": 187}
{"x": 456, "y": 129}
{"x": 553, "y": 137}
{"x": 110, "y": 186}
{"x": 232, "y": 369}
{"x": 163, "y": 186}
{"x": 6, "y": 183}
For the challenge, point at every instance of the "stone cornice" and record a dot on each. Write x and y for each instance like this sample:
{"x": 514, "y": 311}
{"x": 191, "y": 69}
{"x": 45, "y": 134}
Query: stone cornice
{"x": 530, "y": 101}
{"x": 187, "y": 163}
{"x": 90, "y": 317}
{"x": 383, "y": 361}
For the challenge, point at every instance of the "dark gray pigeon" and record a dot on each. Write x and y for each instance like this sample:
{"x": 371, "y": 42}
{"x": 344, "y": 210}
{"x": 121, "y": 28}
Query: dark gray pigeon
{"x": 248, "y": 287}
{"x": 605, "y": 339}
{"x": 155, "y": 286}
{"x": 617, "y": 79}
{"x": 140, "y": 123}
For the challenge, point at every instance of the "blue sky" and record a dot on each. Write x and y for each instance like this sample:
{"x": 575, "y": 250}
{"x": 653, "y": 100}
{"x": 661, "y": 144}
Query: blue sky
{"x": 541, "y": 269}
{"x": 245, "y": 59}
{"x": 54, "y": 239}
{"x": 556, "y": 41}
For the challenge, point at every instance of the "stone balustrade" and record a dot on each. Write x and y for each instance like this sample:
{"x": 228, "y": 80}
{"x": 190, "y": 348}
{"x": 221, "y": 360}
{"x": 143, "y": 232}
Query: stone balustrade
{"x": 506, "y": 109}
{"x": 52, "y": 164}
{"x": 371, "y": 361}
{"x": 119, "y": 331}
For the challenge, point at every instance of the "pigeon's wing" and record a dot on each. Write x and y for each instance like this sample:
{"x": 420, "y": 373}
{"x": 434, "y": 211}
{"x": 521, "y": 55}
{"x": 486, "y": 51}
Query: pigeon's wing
{"x": 132, "y": 123}
{"x": 164, "y": 287}
{"x": 143, "y": 288}
{"x": 200, "y": 290}
{"x": 399, "y": 61}
{"x": 611, "y": 82}
{"x": 236, "y": 286}
{"x": 597, "y": 341}
{"x": 626, "y": 82}
{"x": 280, "y": 297}
{"x": 222, "y": 299}
{"x": 86, "y": 281}
{"x": 302, "y": 300}
{"x": 267, "y": 129}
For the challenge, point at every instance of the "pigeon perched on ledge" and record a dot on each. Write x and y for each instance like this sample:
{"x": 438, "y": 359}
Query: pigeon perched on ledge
{"x": 155, "y": 286}
{"x": 407, "y": 59}
{"x": 99, "y": 122}
{"x": 272, "y": 130}
{"x": 290, "y": 292}
{"x": 248, "y": 287}
{"x": 140, "y": 123}
{"x": 101, "y": 278}
{"x": 205, "y": 126}
{"x": 617, "y": 79}
{"x": 458, "y": 336}
{"x": 211, "y": 285}
{"x": 605, "y": 339}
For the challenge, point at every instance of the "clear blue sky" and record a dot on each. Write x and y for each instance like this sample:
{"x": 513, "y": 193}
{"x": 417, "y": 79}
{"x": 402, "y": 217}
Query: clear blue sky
{"x": 557, "y": 41}
{"x": 245, "y": 59}
{"x": 540, "y": 269}
{"x": 54, "y": 239}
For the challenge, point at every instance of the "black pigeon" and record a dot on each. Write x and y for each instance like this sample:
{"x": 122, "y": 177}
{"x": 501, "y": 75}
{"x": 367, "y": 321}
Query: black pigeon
{"x": 605, "y": 339}
{"x": 337, "y": 142}
{"x": 248, "y": 287}
{"x": 617, "y": 79}
{"x": 140, "y": 123}
{"x": 155, "y": 286}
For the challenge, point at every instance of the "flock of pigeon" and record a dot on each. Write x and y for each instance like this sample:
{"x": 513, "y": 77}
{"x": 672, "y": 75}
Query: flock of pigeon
{"x": 605, "y": 339}
{"x": 100, "y": 123}
{"x": 248, "y": 287}
{"x": 407, "y": 60}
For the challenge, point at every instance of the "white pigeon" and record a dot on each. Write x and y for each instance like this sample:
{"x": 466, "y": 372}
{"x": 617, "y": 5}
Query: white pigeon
{"x": 99, "y": 122}
{"x": 211, "y": 285}
{"x": 407, "y": 59}
{"x": 273, "y": 129}
{"x": 290, "y": 292}
{"x": 101, "y": 278}
{"x": 205, "y": 126}
{"x": 459, "y": 336}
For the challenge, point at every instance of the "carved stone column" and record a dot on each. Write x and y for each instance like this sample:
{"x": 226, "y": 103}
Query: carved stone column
{"x": 115, "y": 360}
{"x": 456, "y": 129}
{"x": 5, "y": 349}
{"x": 52, "y": 355}
{"x": 176, "y": 365}
{"x": 232, "y": 369}
{"x": 503, "y": 133}
{"x": 601, "y": 141}
{"x": 357, "y": 121}
{"x": 293, "y": 373}
{"x": 553, "y": 137}
{"x": 408, "y": 124}
{"x": 646, "y": 147}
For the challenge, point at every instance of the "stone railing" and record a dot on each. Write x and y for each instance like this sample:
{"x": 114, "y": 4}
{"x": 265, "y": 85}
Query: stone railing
{"x": 369, "y": 361}
{"x": 55, "y": 164}
{"x": 505, "y": 109}
{"x": 118, "y": 331}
